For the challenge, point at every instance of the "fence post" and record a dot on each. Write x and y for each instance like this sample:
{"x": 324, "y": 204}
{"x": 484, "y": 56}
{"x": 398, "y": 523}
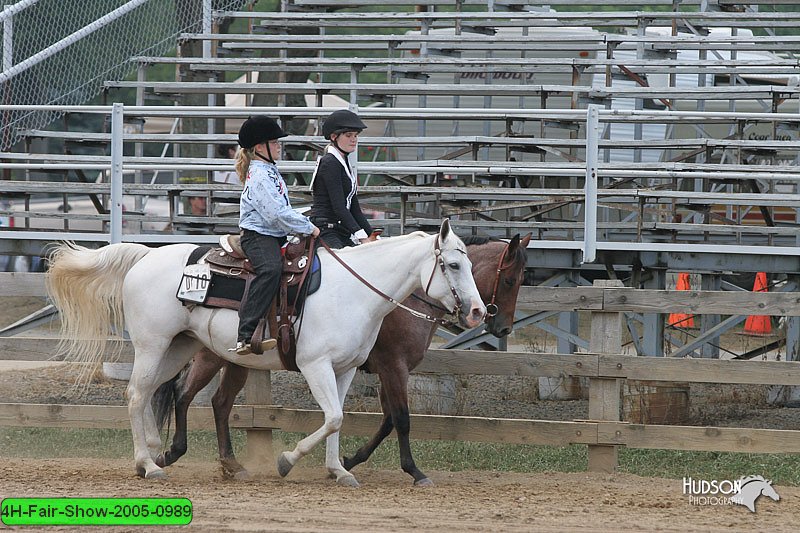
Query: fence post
{"x": 604, "y": 393}
{"x": 258, "y": 450}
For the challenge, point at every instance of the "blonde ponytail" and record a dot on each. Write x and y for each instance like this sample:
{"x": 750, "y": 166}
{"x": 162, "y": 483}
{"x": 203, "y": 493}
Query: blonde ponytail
{"x": 243, "y": 158}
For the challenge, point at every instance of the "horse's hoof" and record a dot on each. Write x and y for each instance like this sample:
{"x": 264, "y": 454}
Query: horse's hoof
{"x": 347, "y": 463}
{"x": 284, "y": 466}
{"x": 242, "y": 475}
{"x": 232, "y": 469}
{"x": 160, "y": 460}
{"x": 156, "y": 474}
{"x": 424, "y": 482}
{"x": 348, "y": 481}
{"x": 140, "y": 471}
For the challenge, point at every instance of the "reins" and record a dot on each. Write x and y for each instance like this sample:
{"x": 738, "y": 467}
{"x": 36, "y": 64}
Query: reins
{"x": 388, "y": 298}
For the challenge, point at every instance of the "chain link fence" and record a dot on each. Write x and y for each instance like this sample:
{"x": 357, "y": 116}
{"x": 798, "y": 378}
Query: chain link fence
{"x": 60, "y": 53}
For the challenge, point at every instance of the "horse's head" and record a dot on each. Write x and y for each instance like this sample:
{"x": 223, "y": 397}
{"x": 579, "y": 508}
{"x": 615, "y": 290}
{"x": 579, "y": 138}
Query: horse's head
{"x": 752, "y": 487}
{"x": 768, "y": 491}
{"x": 498, "y": 269}
{"x": 451, "y": 280}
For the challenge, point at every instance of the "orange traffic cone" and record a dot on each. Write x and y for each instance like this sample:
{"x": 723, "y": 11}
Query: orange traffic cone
{"x": 759, "y": 324}
{"x": 681, "y": 320}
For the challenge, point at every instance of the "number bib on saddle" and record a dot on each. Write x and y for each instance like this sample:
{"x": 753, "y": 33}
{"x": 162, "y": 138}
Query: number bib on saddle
{"x": 195, "y": 283}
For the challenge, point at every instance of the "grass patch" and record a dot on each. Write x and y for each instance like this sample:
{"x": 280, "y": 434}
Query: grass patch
{"x": 782, "y": 469}
{"x": 53, "y": 443}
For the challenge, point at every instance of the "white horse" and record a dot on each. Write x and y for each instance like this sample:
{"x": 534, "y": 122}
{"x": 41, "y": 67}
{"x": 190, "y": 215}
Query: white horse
{"x": 133, "y": 287}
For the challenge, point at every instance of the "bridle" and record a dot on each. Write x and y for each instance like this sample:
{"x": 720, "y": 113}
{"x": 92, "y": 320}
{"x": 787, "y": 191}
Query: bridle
{"x": 491, "y": 307}
{"x": 439, "y": 260}
{"x": 437, "y": 252}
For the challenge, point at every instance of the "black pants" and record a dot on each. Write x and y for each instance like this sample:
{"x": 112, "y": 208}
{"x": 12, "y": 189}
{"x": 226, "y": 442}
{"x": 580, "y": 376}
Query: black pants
{"x": 335, "y": 239}
{"x": 264, "y": 253}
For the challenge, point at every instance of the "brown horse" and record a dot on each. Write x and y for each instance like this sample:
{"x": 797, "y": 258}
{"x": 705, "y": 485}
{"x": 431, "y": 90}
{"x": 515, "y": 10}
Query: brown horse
{"x": 498, "y": 269}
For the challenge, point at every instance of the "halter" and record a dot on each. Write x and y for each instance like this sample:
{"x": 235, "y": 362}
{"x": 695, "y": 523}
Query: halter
{"x": 437, "y": 252}
{"x": 491, "y": 307}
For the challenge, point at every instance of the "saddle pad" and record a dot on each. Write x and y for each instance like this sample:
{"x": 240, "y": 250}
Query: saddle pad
{"x": 227, "y": 292}
{"x": 222, "y": 291}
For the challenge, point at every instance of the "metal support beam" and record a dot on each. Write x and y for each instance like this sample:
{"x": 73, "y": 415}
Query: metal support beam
{"x": 653, "y": 323}
{"x": 590, "y": 187}
{"x": 710, "y": 282}
{"x": 714, "y": 332}
{"x": 116, "y": 173}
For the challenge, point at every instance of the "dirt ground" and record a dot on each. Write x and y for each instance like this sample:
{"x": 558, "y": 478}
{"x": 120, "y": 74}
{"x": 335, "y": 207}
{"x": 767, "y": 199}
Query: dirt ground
{"x": 461, "y": 501}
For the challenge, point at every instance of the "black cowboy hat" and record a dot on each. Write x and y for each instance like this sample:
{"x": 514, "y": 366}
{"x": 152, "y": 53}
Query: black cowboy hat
{"x": 259, "y": 129}
{"x": 341, "y": 121}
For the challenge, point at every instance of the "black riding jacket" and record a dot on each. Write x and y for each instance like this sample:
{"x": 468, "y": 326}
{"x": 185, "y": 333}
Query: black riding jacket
{"x": 335, "y": 199}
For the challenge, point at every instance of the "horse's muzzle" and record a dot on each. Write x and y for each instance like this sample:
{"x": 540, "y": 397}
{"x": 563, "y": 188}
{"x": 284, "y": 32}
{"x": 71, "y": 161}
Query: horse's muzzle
{"x": 472, "y": 315}
{"x": 499, "y": 332}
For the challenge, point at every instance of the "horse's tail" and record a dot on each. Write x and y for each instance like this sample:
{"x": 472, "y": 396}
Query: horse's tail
{"x": 85, "y": 285}
{"x": 166, "y": 396}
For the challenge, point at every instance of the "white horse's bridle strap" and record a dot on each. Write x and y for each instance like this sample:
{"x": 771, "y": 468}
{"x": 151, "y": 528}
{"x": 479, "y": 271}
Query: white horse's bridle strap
{"x": 437, "y": 252}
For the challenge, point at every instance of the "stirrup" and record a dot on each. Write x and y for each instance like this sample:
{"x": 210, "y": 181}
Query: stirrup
{"x": 243, "y": 348}
{"x": 268, "y": 344}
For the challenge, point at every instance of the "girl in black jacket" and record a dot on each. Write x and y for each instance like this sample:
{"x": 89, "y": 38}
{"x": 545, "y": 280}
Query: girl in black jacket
{"x": 336, "y": 211}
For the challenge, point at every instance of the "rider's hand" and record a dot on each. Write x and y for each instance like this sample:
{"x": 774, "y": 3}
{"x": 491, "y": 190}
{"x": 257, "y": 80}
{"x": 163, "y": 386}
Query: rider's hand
{"x": 315, "y": 232}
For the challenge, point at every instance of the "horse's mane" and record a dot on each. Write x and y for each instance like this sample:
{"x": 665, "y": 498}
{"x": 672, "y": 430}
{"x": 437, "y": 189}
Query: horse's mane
{"x": 748, "y": 479}
{"x": 383, "y": 242}
{"x": 477, "y": 240}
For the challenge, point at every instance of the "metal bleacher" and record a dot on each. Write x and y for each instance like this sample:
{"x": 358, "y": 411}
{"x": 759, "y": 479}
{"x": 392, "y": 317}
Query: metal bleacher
{"x": 478, "y": 111}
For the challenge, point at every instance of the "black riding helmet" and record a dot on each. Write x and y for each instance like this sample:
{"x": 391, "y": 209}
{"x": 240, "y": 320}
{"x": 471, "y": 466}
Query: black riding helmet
{"x": 341, "y": 121}
{"x": 260, "y": 129}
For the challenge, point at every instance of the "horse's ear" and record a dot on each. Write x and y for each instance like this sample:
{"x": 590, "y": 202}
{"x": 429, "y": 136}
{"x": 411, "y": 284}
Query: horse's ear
{"x": 444, "y": 231}
{"x": 516, "y": 243}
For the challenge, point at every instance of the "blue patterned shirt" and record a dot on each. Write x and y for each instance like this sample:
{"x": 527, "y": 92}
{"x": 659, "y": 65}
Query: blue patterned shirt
{"x": 264, "y": 206}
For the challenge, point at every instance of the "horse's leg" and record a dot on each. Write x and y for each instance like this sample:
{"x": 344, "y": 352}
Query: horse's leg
{"x": 322, "y": 382}
{"x": 155, "y": 361}
{"x": 140, "y": 390}
{"x": 151, "y": 431}
{"x": 394, "y": 403}
{"x": 233, "y": 379}
{"x": 394, "y": 386}
{"x": 386, "y": 427}
{"x": 205, "y": 367}
{"x": 335, "y": 468}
